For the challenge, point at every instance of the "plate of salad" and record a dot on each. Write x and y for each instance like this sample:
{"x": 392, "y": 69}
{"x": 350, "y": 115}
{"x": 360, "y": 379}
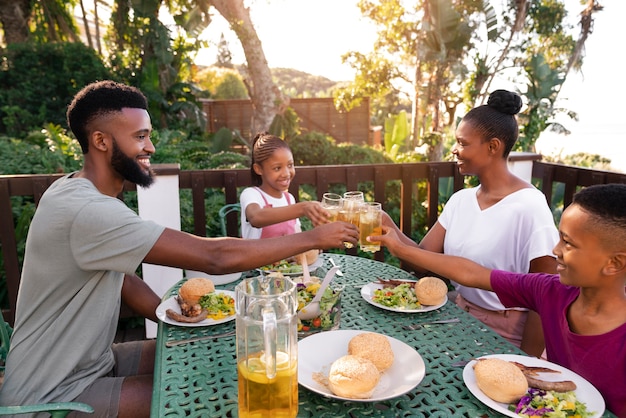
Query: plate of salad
{"x": 400, "y": 298}
{"x": 289, "y": 267}
{"x": 583, "y": 402}
{"x": 220, "y": 304}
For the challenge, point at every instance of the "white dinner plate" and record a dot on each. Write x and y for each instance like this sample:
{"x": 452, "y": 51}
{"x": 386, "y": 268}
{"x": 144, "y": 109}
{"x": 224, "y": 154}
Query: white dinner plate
{"x": 406, "y": 372}
{"x": 312, "y": 267}
{"x": 217, "y": 279}
{"x": 585, "y": 391}
{"x": 171, "y": 303}
{"x": 367, "y": 292}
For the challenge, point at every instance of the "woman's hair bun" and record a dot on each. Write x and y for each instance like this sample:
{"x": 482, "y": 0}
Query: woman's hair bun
{"x": 505, "y": 101}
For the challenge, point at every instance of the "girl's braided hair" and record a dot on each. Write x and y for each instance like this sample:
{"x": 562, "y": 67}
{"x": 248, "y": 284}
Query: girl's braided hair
{"x": 263, "y": 146}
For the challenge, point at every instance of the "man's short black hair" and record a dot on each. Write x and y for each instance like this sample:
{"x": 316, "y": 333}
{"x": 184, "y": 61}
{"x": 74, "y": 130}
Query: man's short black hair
{"x": 98, "y": 99}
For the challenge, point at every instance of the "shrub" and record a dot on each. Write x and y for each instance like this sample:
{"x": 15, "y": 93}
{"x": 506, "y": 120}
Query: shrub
{"x": 38, "y": 81}
{"x": 359, "y": 154}
{"x": 312, "y": 148}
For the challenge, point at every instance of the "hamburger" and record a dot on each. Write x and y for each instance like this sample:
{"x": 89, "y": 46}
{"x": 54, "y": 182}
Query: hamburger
{"x": 430, "y": 290}
{"x": 189, "y": 296}
{"x": 353, "y": 377}
{"x": 500, "y": 380}
{"x": 373, "y": 347}
{"x": 193, "y": 289}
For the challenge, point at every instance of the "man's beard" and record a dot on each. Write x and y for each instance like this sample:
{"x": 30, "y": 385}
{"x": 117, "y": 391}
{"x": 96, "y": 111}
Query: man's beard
{"x": 129, "y": 168}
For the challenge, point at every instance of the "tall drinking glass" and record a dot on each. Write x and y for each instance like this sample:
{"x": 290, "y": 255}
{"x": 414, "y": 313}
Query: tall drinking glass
{"x": 332, "y": 202}
{"x": 350, "y": 209}
{"x": 370, "y": 223}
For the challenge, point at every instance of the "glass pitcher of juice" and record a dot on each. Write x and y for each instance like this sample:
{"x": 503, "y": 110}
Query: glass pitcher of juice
{"x": 267, "y": 347}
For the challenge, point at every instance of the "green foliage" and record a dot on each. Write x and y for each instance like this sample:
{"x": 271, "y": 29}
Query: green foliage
{"x": 453, "y": 52}
{"x": 197, "y": 152}
{"x": 38, "y": 81}
{"x": 312, "y": 148}
{"x": 53, "y": 21}
{"x": 145, "y": 55}
{"x": 359, "y": 154}
{"x": 315, "y": 148}
{"x": 543, "y": 87}
{"x": 286, "y": 124}
{"x": 231, "y": 87}
{"x": 47, "y": 151}
{"x": 221, "y": 83}
{"x": 397, "y": 131}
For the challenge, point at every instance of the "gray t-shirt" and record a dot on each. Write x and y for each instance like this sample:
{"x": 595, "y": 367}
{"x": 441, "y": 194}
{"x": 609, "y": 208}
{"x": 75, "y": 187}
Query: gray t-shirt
{"x": 80, "y": 244}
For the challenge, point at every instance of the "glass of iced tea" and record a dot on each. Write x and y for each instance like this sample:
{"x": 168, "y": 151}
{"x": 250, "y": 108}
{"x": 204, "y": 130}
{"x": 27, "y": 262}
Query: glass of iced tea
{"x": 352, "y": 202}
{"x": 370, "y": 223}
{"x": 332, "y": 202}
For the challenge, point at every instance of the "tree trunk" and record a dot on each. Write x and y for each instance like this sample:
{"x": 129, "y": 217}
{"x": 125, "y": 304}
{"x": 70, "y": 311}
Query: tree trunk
{"x": 14, "y": 15}
{"x": 86, "y": 24}
{"x": 97, "y": 25}
{"x": 266, "y": 98}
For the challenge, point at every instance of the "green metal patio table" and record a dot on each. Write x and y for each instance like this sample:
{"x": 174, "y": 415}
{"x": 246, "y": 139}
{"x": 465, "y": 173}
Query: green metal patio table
{"x": 199, "y": 379}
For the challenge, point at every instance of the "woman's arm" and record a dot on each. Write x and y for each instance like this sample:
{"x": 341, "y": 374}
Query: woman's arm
{"x": 433, "y": 241}
{"x": 459, "y": 269}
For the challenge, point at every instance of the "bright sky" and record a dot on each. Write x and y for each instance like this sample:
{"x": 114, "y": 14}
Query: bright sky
{"x": 311, "y": 36}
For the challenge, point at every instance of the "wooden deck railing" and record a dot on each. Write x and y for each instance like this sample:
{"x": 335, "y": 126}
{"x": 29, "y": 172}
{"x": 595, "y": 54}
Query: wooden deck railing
{"x": 376, "y": 177}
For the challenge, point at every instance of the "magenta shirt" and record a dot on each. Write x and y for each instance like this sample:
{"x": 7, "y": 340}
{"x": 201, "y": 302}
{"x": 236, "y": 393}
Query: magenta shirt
{"x": 601, "y": 359}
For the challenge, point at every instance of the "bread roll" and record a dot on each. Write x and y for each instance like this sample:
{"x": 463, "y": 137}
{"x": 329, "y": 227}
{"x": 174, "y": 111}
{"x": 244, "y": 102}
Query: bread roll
{"x": 311, "y": 257}
{"x": 373, "y": 347}
{"x": 353, "y": 377}
{"x": 501, "y": 380}
{"x": 193, "y": 289}
{"x": 430, "y": 290}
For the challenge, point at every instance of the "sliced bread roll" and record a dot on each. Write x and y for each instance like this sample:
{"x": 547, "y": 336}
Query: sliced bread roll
{"x": 353, "y": 377}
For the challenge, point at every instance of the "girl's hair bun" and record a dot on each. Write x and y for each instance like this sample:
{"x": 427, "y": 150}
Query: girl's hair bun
{"x": 505, "y": 101}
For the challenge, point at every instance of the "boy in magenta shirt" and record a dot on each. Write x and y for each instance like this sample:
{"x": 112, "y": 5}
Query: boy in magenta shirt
{"x": 583, "y": 307}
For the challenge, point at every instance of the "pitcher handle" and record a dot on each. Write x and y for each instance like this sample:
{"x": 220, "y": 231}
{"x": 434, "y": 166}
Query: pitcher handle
{"x": 269, "y": 340}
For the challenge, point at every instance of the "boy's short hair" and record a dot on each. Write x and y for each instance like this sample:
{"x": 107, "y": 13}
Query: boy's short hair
{"x": 97, "y": 99}
{"x": 606, "y": 206}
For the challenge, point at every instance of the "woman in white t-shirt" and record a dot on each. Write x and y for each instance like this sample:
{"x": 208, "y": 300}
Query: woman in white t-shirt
{"x": 268, "y": 209}
{"x": 504, "y": 223}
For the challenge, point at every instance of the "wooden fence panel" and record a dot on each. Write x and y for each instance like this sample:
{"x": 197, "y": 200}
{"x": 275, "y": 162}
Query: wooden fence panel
{"x": 316, "y": 114}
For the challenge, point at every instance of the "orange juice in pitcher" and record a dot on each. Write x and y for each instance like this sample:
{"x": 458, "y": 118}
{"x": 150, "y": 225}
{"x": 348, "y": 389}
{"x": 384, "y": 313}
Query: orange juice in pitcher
{"x": 276, "y": 397}
{"x": 267, "y": 348}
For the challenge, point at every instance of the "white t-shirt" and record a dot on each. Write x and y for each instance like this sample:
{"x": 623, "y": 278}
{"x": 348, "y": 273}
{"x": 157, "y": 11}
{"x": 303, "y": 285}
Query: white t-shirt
{"x": 253, "y": 195}
{"x": 505, "y": 236}
{"x": 80, "y": 244}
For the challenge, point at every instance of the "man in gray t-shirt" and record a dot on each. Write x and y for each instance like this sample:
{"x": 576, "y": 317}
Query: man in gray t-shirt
{"x": 83, "y": 248}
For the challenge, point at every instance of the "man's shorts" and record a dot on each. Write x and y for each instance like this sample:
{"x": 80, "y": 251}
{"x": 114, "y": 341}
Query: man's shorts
{"x": 104, "y": 393}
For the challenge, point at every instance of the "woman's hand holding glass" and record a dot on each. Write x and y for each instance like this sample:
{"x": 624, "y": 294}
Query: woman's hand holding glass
{"x": 370, "y": 223}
